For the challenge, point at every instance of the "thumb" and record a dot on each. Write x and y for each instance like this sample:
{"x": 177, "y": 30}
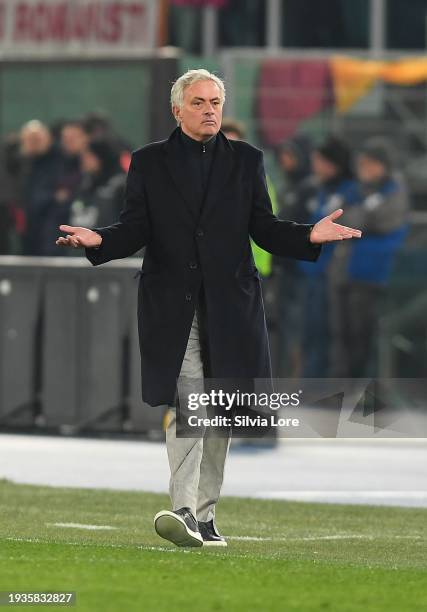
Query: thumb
{"x": 337, "y": 213}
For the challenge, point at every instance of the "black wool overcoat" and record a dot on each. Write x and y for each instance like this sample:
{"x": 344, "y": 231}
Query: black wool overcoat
{"x": 187, "y": 249}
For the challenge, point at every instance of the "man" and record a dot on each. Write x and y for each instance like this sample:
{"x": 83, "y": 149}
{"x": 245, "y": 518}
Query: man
{"x": 336, "y": 190}
{"x": 294, "y": 158}
{"x": 194, "y": 200}
{"x": 74, "y": 138}
{"x": 359, "y": 275}
{"x": 46, "y": 198}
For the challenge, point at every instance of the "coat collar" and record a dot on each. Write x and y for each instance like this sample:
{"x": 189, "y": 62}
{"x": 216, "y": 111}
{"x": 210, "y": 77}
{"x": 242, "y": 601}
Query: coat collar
{"x": 222, "y": 166}
{"x": 196, "y": 145}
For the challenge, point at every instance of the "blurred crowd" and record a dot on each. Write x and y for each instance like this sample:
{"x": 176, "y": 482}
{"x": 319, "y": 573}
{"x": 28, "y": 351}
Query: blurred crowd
{"x": 330, "y": 310}
{"x": 73, "y": 172}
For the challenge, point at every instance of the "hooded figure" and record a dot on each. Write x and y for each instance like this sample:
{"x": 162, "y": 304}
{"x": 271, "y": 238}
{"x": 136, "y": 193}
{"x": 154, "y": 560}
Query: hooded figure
{"x": 336, "y": 188}
{"x": 294, "y": 156}
{"x": 100, "y": 197}
{"x": 359, "y": 273}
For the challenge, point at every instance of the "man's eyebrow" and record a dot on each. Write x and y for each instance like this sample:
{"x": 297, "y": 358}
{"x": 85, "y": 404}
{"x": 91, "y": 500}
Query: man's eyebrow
{"x": 203, "y": 99}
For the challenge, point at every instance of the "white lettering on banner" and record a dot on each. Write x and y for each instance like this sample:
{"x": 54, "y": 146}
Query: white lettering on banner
{"x": 73, "y": 27}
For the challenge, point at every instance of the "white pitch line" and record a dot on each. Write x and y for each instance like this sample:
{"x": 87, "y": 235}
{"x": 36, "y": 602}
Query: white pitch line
{"x": 141, "y": 547}
{"x": 228, "y": 537}
{"x": 316, "y": 538}
{"x": 414, "y": 495}
{"x": 82, "y": 526}
{"x": 308, "y": 539}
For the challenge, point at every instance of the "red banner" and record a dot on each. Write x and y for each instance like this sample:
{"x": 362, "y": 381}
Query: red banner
{"x": 74, "y": 27}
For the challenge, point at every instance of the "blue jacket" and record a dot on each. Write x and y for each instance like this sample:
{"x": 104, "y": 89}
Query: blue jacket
{"x": 383, "y": 221}
{"x": 328, "y": 198}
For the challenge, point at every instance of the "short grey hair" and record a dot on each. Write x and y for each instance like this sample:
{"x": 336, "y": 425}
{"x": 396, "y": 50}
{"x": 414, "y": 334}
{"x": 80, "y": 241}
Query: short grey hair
{"x": 190, "y": 77}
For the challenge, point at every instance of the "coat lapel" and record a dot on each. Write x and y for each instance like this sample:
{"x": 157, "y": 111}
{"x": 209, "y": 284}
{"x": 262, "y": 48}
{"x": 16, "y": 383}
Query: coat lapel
{"x": 222, "y": 166}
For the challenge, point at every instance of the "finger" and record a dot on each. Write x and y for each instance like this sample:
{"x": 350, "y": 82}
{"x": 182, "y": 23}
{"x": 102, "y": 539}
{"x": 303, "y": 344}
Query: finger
{"x": 64, "y": 240}
{"x": 352, "y": 230}
{"x": 341, "y": 236}
{"x": 348, "y": 230}
{"x": 71, "y": 240}
{"x": 337, "y": 213}
{"x": 68, "y": 228}
{"x": 344, "y": 230}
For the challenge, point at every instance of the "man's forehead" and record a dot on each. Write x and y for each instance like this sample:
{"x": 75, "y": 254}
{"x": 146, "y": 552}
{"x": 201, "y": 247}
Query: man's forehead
{"x": 202, "y": 90}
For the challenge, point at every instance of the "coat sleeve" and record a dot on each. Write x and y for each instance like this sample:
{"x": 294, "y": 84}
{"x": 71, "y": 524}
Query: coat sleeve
{"x": 132, "y": 231}
{"x": 279, "y": 237}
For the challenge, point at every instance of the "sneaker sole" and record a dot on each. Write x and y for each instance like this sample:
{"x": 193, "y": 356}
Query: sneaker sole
{"x": 172, "y": 527}
{"x": 214, "y": 543}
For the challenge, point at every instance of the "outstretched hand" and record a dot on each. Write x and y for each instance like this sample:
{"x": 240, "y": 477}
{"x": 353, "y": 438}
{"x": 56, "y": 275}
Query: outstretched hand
{"x": 326, "y": 230}
{"x": 78, "y": 237}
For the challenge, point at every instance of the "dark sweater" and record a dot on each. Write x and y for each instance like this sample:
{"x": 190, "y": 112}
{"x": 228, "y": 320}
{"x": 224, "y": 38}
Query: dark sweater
{"x": 199, "y": 154}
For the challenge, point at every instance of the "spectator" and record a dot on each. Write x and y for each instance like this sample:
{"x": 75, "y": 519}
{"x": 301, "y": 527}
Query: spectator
{"x": 46, "y": 201}
{"x": 360, "y": 274}
{"x": 100, "y": 197}
{"x": 235, "y": 130}
{"x": 294, "y": 160}
{"x": 74, "y": 138}
{"x": 99, "y": 127}
{"x": 74, "y": 141}
{"x": 12, "y": 219}
{"x": 294, "y": 157}
{"x": 336, "y": 189}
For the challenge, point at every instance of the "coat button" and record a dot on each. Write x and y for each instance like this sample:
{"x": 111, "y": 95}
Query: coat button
{"x": 193, "y": 265}
{"x": 200, "y": 233}
{"x": 188, "y": 297}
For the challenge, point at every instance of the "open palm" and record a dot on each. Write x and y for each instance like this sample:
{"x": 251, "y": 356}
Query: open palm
{"x": 78, "y": 237}
{"x": 326, "y": 230}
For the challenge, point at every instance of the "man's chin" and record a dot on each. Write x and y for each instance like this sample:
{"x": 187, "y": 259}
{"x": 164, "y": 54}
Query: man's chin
{"x": 208, "y": 128}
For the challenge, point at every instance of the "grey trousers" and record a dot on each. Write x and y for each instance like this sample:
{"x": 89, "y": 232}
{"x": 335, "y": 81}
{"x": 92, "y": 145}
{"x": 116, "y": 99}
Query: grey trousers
{"x": 196, "y": 464}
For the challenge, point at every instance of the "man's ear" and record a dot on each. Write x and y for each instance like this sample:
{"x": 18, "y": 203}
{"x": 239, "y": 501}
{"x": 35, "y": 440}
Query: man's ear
{"x": 176, "y": 113}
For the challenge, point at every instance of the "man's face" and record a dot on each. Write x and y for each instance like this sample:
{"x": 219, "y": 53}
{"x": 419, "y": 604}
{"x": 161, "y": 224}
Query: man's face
{"x": 369, "y": 170}
{"x": 34, "y": 141}
{"x": 73, "y": 140}
{"x": 323, "y": 169}
{"x": 288, "y": 161}
{"x": 231, "y": 135}
{"x": 201, "y": 113}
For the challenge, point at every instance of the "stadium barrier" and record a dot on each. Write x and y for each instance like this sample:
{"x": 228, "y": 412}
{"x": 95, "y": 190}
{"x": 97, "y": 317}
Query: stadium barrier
{"x": 69, "y": 352}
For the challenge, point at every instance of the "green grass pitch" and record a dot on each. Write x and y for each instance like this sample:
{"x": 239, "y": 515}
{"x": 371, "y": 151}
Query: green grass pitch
{"x": 282, "y": 556}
